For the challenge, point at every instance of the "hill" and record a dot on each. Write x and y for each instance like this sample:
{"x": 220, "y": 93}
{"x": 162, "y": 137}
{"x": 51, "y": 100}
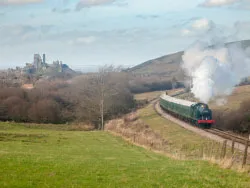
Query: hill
{"x": 168, "y": 67}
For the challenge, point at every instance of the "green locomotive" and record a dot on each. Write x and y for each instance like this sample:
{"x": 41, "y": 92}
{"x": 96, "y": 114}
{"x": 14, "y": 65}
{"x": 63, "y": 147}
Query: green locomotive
{"x": 197, "y": 114}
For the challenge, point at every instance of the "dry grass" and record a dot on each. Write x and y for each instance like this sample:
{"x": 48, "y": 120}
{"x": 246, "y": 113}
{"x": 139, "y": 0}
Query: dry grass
{"x": 76, "y": 126}
{"x": 136, "y": 131}
{"x": 148, "y": 96}
{"x": 81, "y": 127}
{"x": 234, "y": 101}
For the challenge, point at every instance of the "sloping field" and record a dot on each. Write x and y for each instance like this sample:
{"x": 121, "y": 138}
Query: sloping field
{"x": 234, "y": 101}
{"x": 167, "y": 66}
{"x": 48, "y": 158}
{"x": 148, "y": 96}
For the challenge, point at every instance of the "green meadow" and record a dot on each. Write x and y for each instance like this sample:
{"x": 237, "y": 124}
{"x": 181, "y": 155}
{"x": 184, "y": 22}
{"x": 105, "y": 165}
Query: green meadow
{"x": 32, "y": 156}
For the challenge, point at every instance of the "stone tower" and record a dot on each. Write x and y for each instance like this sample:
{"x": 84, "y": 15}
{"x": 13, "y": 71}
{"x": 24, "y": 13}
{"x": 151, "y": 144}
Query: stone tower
{"x": 37, "y": 61}
{"x": 44, "y": 58}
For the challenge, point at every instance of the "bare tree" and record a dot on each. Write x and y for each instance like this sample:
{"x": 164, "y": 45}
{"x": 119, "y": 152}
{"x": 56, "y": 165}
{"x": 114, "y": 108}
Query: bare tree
{"x": 103, "y": 95}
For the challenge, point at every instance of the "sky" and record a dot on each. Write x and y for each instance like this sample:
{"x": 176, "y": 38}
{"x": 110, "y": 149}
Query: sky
{"x": 86, "y": 34}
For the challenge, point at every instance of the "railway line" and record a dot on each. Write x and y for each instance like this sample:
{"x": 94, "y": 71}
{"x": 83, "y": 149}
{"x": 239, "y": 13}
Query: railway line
{"x": 229, "y": 136}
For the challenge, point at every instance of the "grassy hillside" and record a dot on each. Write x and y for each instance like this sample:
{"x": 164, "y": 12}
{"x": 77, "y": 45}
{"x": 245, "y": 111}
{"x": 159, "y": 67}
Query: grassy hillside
{"x": 49, "y": 158}
{"x": 167, "y": 67}
{"x": 234, "y": 101}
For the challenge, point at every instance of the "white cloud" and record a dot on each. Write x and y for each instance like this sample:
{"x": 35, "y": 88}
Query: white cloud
{"x": 215, "y": 3}
{"x": 202, "y": 24}
{"x": 197, "y": 27}
{"x": 19, "y": 2}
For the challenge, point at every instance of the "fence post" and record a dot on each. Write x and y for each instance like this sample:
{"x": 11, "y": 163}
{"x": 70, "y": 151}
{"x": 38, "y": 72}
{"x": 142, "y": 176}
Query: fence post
{"x": 202, "y": 151}
{"x": 245, "y": 154}
{"x": 233, "y": 143}
{"x": 134, "y": 137}
{"x": 224, "y": 148}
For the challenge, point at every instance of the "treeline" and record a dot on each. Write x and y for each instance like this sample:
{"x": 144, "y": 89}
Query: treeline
{"x": 236, "y": 120}
{"x": 245, "y": 81}
{"x": 152, "y": 83}
{"x": 86, "y": 98}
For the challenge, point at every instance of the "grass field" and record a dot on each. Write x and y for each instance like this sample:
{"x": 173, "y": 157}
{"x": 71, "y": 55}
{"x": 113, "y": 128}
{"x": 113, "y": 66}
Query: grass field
{"x": 154, "y": 94}
{"x": 148, "y": 96}
{"x": 49, "y": 158}
{"x": 234, "y": 101}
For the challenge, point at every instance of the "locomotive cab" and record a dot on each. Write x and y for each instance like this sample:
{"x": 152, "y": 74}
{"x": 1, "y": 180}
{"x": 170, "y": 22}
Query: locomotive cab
{"x": 205, "y": 113}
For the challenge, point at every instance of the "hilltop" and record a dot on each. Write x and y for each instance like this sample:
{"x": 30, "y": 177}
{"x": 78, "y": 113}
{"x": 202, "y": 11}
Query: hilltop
{"x": 168, "y": 66}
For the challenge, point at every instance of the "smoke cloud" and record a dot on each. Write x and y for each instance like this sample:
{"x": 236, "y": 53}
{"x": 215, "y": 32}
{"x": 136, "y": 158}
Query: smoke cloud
{"x": 215, "y": 69}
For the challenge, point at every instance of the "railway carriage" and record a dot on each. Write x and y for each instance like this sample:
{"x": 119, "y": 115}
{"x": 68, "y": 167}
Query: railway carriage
{"x": 198, "y": 114}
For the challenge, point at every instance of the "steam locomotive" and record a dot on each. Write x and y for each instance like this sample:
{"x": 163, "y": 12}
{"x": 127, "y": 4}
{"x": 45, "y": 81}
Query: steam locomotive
{"x": 197, "y": 114}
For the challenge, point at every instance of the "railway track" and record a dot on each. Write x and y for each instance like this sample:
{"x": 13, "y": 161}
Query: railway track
{"x": 229, "y": 136}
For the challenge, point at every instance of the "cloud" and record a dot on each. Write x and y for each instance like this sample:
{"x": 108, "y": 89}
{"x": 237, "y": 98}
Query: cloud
{"x": 17, "y": 34}
{"x": 18, "y": 2}
{"x": 197, "y": 27}
{"x": 90, "y": 3}
{"x": 202, "y": 23}
{"x": 216, "y": 3}
{"x": 82, "y": 40}
{"x": 235, "y": 4}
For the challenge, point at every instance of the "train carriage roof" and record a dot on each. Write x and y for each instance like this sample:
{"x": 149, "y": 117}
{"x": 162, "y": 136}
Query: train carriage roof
{"x": 177, "y": 101}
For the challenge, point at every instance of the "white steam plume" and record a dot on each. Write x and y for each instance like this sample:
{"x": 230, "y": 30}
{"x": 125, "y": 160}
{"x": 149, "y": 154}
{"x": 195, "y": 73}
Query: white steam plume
{"x": 215, "y": 70}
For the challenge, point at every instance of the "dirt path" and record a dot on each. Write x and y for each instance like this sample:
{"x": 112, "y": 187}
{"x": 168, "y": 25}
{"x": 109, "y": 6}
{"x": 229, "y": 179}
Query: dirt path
{"x": 195, "y": 129}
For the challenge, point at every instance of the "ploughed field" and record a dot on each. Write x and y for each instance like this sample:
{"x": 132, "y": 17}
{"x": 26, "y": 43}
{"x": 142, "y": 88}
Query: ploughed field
{"x": 32, "y": 156}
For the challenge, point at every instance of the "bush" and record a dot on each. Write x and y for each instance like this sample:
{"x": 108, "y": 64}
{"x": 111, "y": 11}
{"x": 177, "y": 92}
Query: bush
{"x": 58, "y": 101}
{"x": 237, "y": 120}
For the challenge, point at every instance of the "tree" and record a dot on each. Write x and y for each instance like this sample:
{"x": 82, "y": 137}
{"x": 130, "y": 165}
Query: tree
{"x": 103, "y": 95}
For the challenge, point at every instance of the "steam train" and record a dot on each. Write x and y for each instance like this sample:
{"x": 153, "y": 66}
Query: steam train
{"x": 197, "y": 114}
